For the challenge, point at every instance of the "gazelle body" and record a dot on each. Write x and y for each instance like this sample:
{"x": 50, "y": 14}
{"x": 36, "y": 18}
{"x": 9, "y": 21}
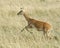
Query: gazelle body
{"x": 39, "y": 25}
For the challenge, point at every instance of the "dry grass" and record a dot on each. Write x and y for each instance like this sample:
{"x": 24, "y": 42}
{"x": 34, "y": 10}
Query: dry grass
{"x": 11, "y": 24}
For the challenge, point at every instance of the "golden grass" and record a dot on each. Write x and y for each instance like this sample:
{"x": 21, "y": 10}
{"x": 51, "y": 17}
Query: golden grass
{"x": 11, "y": 24}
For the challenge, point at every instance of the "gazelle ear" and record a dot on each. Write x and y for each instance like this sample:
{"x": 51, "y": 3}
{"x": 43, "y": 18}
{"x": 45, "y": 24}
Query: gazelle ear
{"x": 21, "y": 8}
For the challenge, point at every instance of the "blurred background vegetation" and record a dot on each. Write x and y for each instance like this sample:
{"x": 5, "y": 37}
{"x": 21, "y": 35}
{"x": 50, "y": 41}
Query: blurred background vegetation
{"x": 11, "y": 24}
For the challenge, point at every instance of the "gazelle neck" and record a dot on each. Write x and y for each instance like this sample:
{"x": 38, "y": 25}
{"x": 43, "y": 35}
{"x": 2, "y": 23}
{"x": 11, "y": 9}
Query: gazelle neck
{"x": 26, "y": 16}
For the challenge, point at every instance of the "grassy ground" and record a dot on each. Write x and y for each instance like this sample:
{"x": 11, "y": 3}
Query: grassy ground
{"x": 11, "y": 24}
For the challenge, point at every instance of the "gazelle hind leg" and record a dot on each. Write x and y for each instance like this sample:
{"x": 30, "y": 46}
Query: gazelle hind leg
{"x": 45, "y": 32}
{"x": 47, "y": 36}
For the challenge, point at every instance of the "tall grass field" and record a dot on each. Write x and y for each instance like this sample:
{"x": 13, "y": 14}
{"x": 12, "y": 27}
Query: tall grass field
{"x": 11, "y": 24}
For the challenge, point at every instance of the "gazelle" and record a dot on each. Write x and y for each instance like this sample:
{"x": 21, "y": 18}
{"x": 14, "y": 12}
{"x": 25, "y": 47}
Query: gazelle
{"x": 39, "y": 25}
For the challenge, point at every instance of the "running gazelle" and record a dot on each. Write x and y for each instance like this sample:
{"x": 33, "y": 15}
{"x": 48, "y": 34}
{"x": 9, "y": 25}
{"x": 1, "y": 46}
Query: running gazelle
{"x": 39, "y": 25}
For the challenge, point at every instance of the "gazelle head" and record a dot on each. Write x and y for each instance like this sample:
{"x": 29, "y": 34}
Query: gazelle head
{"x": 20, "y": 12}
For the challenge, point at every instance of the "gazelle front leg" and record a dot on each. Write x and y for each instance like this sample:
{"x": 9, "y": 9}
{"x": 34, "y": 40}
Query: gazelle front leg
{"x": 23, "y": 28}
{"x": 26, "y": 27}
